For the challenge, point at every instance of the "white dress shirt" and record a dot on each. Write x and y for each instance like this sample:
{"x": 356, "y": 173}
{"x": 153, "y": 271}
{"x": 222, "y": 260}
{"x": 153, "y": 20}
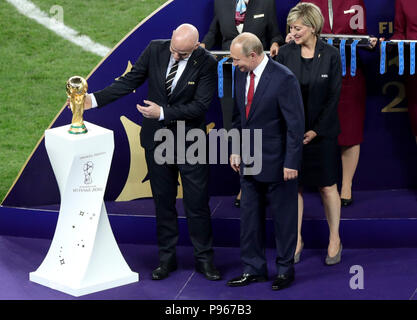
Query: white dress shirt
{"x": 181, "y": 67}
{"x": 258, "y": 73}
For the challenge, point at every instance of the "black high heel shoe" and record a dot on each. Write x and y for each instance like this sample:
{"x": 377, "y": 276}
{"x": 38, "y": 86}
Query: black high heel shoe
{"x": 346, "y": 202}
{"x": 237, "y": 203}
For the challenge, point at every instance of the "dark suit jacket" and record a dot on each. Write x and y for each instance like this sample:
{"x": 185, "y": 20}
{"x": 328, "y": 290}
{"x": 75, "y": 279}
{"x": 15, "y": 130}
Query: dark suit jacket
{"x": 324, "y": 88}
{"x": 277, "y": 109}
{"x": 223, "y": 26}
{"x": 190, "y": 99}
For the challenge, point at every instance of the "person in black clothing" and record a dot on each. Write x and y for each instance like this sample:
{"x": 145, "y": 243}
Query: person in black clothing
{"x": 232, "y": 17}
{"x": 181, "y": 79}
{"x": 317, "y": 67}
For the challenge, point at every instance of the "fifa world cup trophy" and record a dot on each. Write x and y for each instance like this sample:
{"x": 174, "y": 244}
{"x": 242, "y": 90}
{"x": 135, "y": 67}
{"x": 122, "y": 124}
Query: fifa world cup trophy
{"x": 76, "y": 89}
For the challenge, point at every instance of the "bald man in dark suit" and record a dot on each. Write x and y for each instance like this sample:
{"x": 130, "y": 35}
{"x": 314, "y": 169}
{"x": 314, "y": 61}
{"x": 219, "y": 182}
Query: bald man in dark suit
{"x": 181, "y": 80}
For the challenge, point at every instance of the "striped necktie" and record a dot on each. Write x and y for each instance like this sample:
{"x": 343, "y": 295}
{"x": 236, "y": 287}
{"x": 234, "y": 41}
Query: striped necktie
{"x": 170, "y": 78}
{"x": 240, "y": 12}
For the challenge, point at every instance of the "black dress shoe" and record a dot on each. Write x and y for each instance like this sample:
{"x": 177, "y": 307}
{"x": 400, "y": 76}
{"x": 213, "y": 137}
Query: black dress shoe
{"x": 282, "y": 281}
{"x": 162, "y": 271}
{"x": 208, "y": 270}
{"x": 346, "y": 202}
{"x": 237, "y": 203}
{"x": 245, "y": 279}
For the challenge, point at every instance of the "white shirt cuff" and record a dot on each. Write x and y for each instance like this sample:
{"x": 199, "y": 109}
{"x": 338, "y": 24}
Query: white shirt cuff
{"x": 93, "y": 101}
{"x": 161, "y": 116}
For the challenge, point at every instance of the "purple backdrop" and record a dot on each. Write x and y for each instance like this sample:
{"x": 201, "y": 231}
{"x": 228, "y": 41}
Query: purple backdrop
{"x": 388, "y": 155}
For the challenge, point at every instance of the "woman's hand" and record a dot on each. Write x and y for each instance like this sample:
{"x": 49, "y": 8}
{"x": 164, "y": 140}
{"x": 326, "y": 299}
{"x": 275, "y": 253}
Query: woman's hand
{"x": 308, "y": 136}
{"x": 274, "y": 49}
{"x": 372, "y": 42}
{"x": 289, "y": 38}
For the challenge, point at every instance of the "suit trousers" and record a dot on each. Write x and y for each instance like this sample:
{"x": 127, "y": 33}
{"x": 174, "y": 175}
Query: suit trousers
{"x": 282, "y": 199}
{"x": 164, "y": 186}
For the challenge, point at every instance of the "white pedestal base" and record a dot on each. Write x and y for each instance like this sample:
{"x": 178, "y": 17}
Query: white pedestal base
{"x": 84, "y": 256}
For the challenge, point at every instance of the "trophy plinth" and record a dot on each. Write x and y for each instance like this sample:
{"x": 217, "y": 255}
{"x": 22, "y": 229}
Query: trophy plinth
{"x": 76, "y": 89}
{"x": 84, "y": 256}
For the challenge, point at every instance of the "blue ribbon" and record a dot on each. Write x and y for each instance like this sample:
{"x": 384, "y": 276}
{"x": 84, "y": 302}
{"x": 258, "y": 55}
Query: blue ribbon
{"x": 412, "y": 58}
{"x": 343, "y": 55}
{"x": 401, "y": 57}
{"x": 383, "y": 62}
{"x": 353, "y": 57}
{"x": 330, "y": 41}
{"x": 233, "y": 80}
{"x": 221, "y": 76}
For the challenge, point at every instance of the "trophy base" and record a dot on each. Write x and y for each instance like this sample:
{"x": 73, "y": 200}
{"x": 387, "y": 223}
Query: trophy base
{"x": 78, "y": 129}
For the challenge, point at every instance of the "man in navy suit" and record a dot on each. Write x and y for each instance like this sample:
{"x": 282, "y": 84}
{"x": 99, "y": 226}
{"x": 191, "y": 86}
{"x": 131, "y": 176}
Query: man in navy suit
{"x": 268, "y": 97}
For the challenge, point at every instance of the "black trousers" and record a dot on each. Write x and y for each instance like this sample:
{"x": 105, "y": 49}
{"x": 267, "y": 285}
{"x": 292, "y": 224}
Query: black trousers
{"x": 164, "y": 184}
{"x": 283, "y": 202}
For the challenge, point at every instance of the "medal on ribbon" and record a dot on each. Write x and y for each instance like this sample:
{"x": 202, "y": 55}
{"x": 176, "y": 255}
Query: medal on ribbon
{"x": 401, "y": 57}
{"x": 353, "y": 57}
{"x": 233, "y": 81}
{"x": 221, "y": 76}
{"x": 412, "y": 58}
{"x": 383, "y": 60}
{"x": 343, "y": 55}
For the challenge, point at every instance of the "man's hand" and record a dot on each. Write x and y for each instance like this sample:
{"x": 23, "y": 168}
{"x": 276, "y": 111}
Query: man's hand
{"x": 274, "y": 49}
{"x": 290, "y": 174}
{"x": 152, "y": 111}
{"x": 308, "y": 136}
{"x": 235, "y": 162}
{"x": 87, "y": 102}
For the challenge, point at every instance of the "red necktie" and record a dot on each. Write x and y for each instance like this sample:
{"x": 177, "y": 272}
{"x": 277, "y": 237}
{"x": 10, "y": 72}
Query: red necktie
{"x": 251, "y": 91}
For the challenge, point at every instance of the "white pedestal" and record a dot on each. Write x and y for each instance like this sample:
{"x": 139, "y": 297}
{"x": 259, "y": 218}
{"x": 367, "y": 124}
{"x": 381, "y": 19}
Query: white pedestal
{"x": 84, "y": 256}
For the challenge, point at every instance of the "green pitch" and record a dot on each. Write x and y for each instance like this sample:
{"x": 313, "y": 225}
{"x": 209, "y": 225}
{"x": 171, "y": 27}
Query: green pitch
{"x": 35, "y": 64}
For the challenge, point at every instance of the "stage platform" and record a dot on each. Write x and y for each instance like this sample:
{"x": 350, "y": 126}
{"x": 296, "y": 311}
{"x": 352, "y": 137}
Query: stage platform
{"x": 378, "y": 233}
{"x": 389, "y": 274}
{"x": 377, "y": 219}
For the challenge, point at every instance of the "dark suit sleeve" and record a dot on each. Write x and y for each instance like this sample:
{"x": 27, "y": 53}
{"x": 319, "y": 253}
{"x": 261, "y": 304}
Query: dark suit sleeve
{"x": 329, "y": 110}
{"x": 128, "y": 83}
{"x": 274, "y": 35}
{"x": 212, "y": 35}
{"x": 201, "y": 101}
{"x": 291, "y": 105}
{"x": 280, "y": 57}
{"x": 236, "y": 122}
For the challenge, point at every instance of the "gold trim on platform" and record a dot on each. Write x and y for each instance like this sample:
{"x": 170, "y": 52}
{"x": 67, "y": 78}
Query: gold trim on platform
{"x": 135, "y": 187}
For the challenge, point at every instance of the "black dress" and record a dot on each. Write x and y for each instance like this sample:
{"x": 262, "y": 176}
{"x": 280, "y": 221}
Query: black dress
{"x": 319, "y": 167}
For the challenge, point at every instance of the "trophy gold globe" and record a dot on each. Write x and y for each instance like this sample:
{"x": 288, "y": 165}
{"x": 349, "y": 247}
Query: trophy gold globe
{"x": 76, "y": 90}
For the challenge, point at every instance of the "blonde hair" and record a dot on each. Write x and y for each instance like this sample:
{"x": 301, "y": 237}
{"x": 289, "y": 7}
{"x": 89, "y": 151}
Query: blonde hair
{"x": 249, "y": 42}
{"x": 309, "y": 13}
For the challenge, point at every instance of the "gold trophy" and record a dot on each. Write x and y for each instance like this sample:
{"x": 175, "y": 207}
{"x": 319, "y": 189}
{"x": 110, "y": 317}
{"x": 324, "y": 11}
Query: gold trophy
{"x": 76, "y": 89}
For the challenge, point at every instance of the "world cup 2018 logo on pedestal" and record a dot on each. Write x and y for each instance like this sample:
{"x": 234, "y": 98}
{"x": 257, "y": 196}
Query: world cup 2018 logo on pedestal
{"x": 76, "y": 89}
{"x": 88, "y": 170}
